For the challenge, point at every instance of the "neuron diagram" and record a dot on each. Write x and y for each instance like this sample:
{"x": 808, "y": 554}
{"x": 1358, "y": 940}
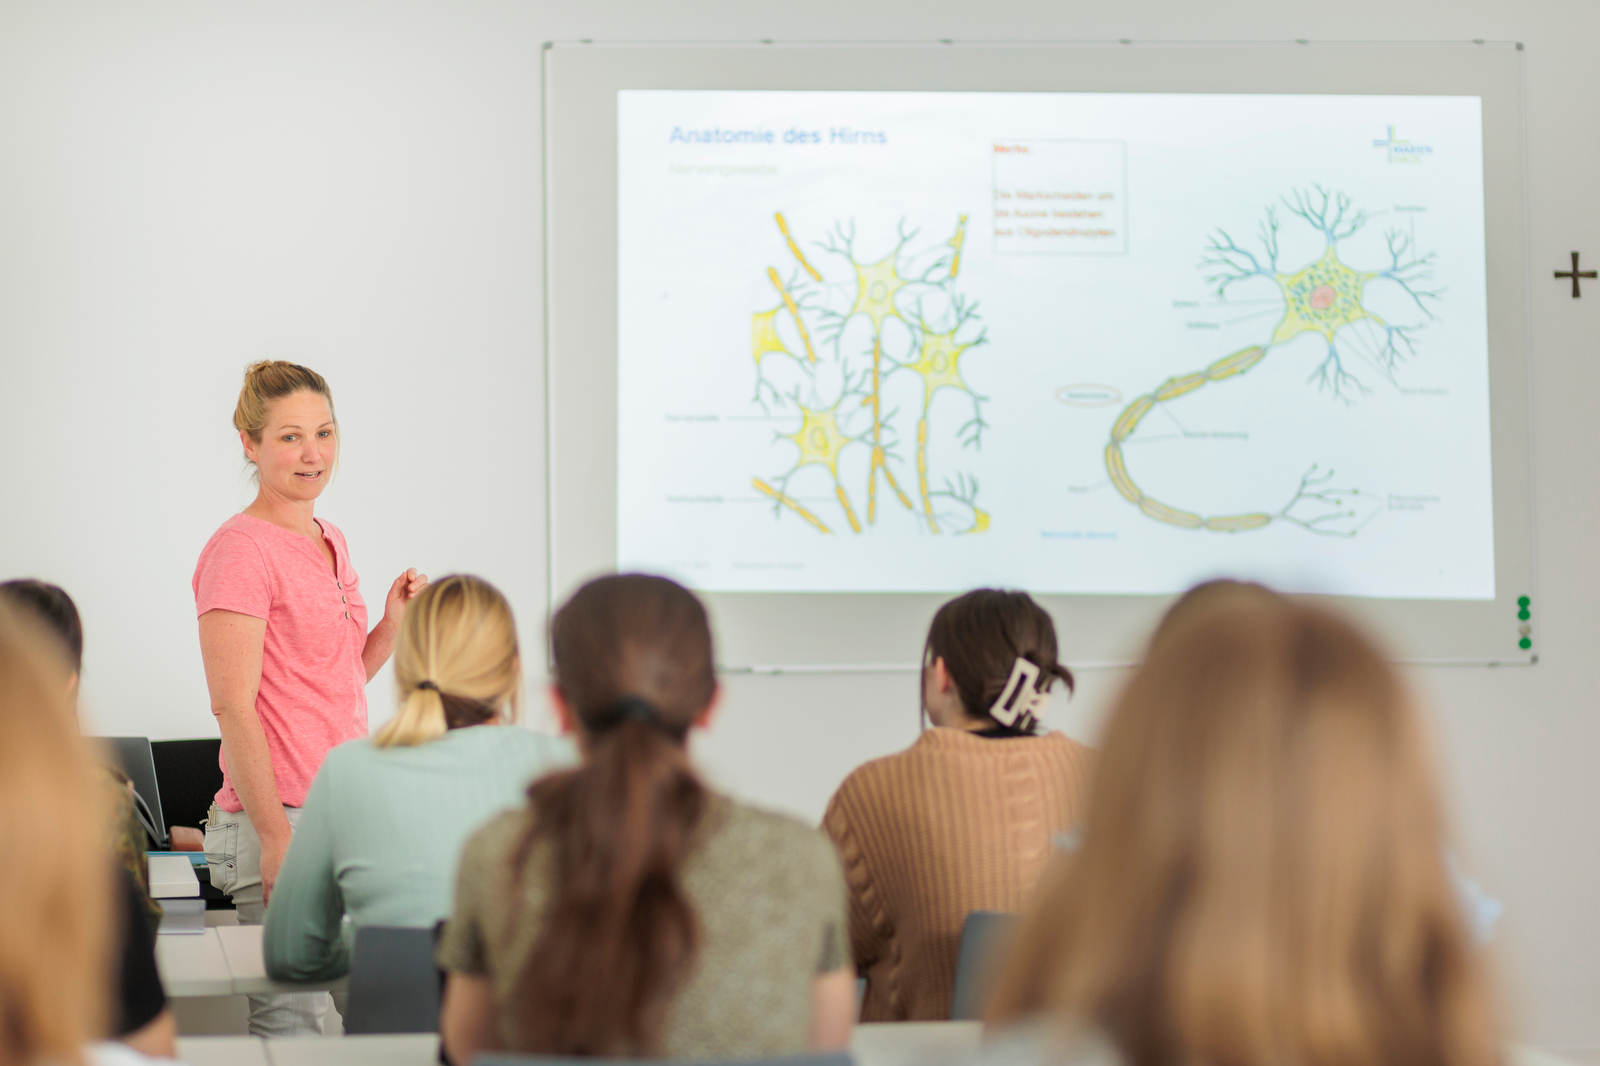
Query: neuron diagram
{"x": 1325, "y": 297}
{"x": 826, "y": 353}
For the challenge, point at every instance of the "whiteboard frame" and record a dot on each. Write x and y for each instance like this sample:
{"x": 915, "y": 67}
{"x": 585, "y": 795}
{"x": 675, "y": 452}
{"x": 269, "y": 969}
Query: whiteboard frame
{"x": 812, "y": 632}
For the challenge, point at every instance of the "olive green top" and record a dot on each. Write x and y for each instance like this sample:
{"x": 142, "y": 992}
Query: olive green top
{"x": 771, "y": 903}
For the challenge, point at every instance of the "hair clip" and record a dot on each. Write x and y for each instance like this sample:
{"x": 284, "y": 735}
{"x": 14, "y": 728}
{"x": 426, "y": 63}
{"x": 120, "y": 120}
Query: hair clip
{"x": 1019, "y": 699}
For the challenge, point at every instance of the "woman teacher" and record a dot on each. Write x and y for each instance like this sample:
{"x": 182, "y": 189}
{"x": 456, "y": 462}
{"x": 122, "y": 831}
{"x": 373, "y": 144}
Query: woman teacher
{"x": 283, "y": 632}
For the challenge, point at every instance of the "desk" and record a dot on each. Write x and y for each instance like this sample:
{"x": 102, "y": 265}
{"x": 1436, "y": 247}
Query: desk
{"x": 223, "y": 1051}
{"x": 242, "y": 946}
{"x": 171, "y": 876}
{"x": 224, "y": 960}
{"x": 408, "y": 1049}
{"x": 875, "y": 1044}
{"x": 915, "y": 1043}
{"x": 879, "y": 1044}
{"x": 194, "y": 965}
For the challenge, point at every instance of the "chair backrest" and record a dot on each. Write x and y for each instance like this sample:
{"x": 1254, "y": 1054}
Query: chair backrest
{"x": 394, "y": 986}
{"x": 132, "y": 756}
{"x": 188, "y": 775}
{"x": 983, "y": 938}
{"x": 501, "y": 1058}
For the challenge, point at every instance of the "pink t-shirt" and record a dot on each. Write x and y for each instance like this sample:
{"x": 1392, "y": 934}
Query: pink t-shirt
{"x": 313, "y": 692}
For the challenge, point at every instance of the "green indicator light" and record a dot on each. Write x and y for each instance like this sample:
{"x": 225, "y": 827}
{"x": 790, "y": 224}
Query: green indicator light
{"x": 1523, "y": 614}
{"x": 1525, "y": 643}
{"x": 1523, "y": 602}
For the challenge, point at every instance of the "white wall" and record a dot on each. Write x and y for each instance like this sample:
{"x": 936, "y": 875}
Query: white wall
{"x": 188, "y": 186}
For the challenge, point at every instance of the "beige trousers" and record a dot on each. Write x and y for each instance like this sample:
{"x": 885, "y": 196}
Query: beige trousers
{"x": 233, "y": 855}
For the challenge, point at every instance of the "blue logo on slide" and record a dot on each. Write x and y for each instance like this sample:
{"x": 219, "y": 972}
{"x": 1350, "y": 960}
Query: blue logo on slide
{"x": 1402, "y": 151}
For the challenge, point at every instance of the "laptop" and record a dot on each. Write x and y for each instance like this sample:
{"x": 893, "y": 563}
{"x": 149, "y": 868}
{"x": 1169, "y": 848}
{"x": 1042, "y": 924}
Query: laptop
{"x": 132, "y": 756}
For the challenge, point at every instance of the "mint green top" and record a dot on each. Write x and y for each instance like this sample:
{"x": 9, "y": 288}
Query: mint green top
{"x": 380, "y": 835}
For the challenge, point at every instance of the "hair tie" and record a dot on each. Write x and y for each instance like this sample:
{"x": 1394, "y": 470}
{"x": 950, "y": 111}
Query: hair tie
{"x": 627, "y": 709}
{"x": 429, "y": 685}
{"x": 634, "y": 709}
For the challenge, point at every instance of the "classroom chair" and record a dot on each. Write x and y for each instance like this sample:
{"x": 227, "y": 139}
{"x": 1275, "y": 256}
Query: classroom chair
{"x": 983, "y": 938}
{"x": 394, "y": 986}
{"x": 188, "y": 775}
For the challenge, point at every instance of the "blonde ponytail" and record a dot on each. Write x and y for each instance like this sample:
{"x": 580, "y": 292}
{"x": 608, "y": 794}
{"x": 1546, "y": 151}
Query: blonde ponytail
{"x": 419, "y": 720}
{"x": 456, "y": 662}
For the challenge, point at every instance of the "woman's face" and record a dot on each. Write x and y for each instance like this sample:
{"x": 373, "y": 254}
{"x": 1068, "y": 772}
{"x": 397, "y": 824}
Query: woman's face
{"x": 297, "y": 446}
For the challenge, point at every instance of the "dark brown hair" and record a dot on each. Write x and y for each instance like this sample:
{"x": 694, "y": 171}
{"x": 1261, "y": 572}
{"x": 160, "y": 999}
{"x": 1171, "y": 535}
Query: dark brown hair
{"x": 51, "y": 605}
{"x": 618, "y": 937}
{"x": 982, "y": 634}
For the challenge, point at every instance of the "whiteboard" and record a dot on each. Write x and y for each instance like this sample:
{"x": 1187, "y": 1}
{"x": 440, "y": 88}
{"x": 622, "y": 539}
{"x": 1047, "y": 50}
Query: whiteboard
{"x": 871, "y": 629}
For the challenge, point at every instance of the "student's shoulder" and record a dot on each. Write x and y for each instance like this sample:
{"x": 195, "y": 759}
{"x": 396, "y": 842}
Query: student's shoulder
{"x": 349, "y": 770}
{"x": 486, "y": 855}
{"x": 351, "y": 757}
{"x": 1063, "y": 746}
{"x": 745, "y": 817}
{"x": 495, "y": 838}
{"x": 876, "y": 774}
{"x": 776, "y": 836}
{"x": 528, "y": 745}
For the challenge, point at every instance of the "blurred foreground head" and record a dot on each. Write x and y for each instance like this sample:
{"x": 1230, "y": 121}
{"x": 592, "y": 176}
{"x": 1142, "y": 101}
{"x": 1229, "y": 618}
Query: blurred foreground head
{"x": 56, "y": 874}
{"x": 1261, "y": 879}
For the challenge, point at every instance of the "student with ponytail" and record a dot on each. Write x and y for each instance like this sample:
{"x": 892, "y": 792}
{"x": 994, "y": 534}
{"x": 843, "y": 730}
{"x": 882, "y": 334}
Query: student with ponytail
{"x": 385, "y": 819}
{"x": 629, "y": 910}
{"x": 965, "y": 819}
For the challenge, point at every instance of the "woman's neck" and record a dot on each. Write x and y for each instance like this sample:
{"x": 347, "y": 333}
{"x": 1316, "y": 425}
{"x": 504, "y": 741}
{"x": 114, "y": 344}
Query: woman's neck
{"x": 297, "y": 516}
{"x": 493, "y": 719}
{"x": 957, "y": 718}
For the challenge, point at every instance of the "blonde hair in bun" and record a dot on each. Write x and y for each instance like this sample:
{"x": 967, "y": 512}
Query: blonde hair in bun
{"x": 273, "y": 379}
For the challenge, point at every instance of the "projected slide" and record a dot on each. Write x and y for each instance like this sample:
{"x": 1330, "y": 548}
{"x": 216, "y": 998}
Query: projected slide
{"x": 1091, "y": 343}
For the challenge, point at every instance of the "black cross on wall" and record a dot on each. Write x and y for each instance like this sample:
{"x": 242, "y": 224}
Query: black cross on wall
{"x": 1575, "y": 274}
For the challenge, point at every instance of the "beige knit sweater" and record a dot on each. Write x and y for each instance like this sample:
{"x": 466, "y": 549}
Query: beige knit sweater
{"x": 955, "y": 823}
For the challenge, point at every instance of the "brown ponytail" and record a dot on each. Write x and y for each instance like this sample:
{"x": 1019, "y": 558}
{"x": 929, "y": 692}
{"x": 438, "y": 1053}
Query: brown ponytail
{"x": 982, "y": 634}
{"x": 619, "y": 935}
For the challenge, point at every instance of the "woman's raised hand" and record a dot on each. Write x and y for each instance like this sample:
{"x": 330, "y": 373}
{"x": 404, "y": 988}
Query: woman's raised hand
{"x": 380, "y": 642}
{"x": 403, "y": 591}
